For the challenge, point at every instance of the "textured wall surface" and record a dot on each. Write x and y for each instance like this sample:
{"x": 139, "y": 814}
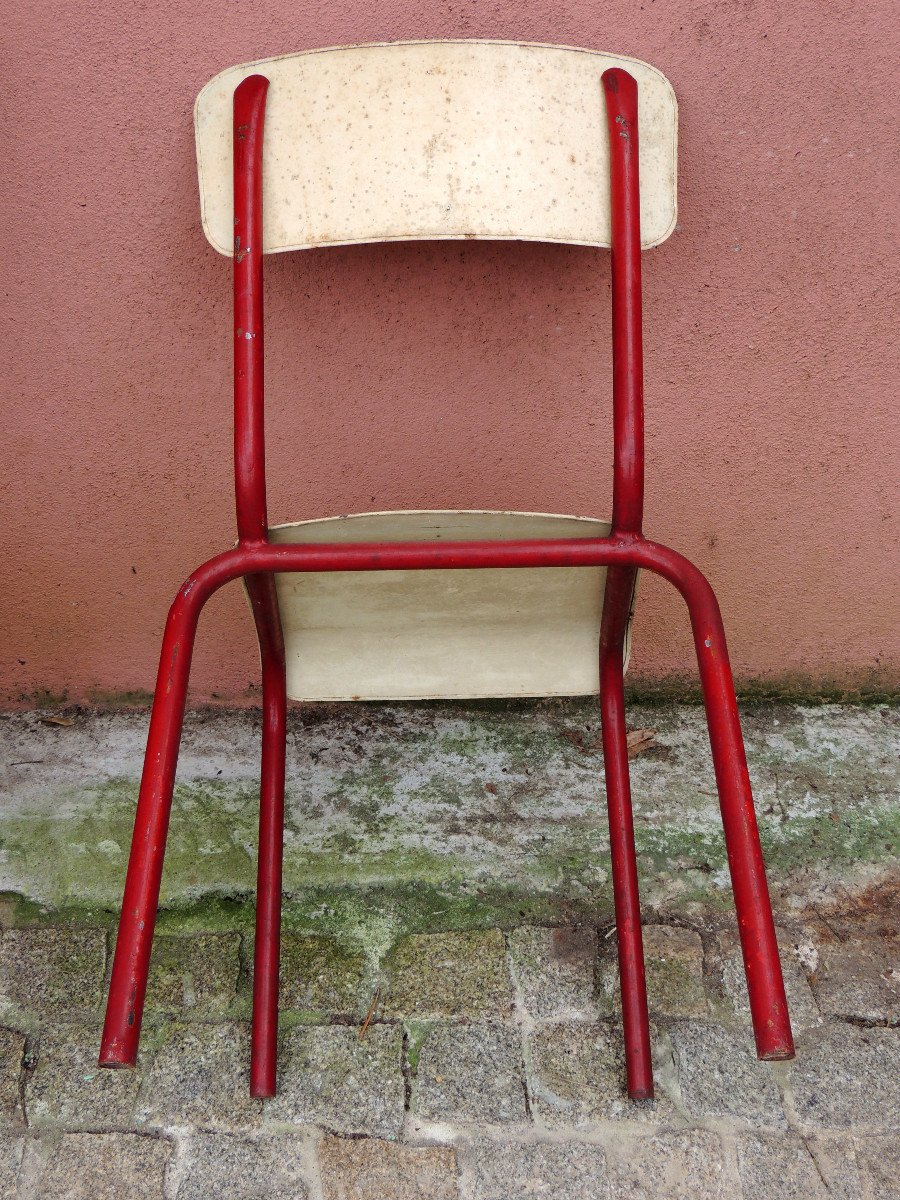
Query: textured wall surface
{"x": 448, "y": 375}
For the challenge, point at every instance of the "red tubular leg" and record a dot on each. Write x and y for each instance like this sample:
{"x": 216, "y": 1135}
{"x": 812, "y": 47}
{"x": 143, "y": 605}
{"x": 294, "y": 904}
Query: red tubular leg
{"x": 620, "y": 91}
{"x": 266, "y": 956}
{"x": 125, "y": 1006}
{"x": 635, "y": 1021}
{"x": 765, "y": 985}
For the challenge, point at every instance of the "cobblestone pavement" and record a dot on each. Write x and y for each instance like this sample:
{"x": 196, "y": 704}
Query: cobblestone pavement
{"x": 447, "y": 867}
{"x": 492, "y": 1069}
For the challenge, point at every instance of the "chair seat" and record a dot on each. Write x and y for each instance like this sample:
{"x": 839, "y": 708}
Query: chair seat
{"x": 428, "y": 634}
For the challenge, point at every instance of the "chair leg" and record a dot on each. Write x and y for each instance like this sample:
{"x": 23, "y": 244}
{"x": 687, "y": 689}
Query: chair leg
{"x": 266, "y": 955}
{"x": 128, "y": 985}
{"x": 635, "y": 1021}
{"x": 765, "y": 985}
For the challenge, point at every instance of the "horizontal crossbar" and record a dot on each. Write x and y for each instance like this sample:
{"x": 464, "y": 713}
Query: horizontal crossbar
{"x": 250, "y": 558}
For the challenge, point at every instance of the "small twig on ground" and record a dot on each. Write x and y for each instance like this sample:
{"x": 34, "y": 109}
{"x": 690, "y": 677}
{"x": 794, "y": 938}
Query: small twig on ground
{"x": 370, "y": 1014}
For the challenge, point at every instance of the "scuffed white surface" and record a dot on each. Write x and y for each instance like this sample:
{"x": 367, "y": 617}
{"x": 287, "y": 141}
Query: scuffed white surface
{"x": 451, "y": 139}
{"x": 392, "y": 635}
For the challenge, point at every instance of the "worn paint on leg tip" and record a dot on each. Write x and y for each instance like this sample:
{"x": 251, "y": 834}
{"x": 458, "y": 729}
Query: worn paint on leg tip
{"x": 263, "y": 1091}
{"x": 115, "y": 1064}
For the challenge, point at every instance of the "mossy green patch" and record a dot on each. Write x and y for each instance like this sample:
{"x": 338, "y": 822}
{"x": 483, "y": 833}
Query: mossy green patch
{"x": 198, "y": 975}
{"x": 45, "y": 697}
{"x": 416, "y": 1033}
{"x": 76, "y": 852}
{"x": 873, "y": 686}
{"x": 320, "y": 976}
{"x": 852, "y": 836}
{"x": 120, "y": 701}
{"x": 461, "y": 974}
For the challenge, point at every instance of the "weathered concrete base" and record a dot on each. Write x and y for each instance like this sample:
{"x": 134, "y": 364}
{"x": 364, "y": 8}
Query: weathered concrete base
{"x": 447, "y": 867}
{"x": 400, "y": 815}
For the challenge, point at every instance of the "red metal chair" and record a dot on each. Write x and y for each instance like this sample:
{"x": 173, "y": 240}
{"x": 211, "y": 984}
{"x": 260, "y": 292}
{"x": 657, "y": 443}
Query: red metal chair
{"x": 589, "y": 197}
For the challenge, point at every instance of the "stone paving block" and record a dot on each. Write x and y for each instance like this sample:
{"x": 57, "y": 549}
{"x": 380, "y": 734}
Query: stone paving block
{"x": 52, "y": 972}
{"x": 673, "y": 960}
{"x": 671, "y": 1166}
{"x": 470, "y": 1073}
{"x": 794, "y": 1168}
{"x": 860, "y": 980}
{"x": 194, "y": 975}
{"x": 846, "y": 1078}
{"x": 11, "y": 1148}
{"x": 577, "y": 1076}
{"x": 12, "y": 1050}
{"x": 240, "y": 1168}
{"x": 331, "y": 1078}
{"x": 319, "y": 975}
{"x": 720, "y": 1076}
{"x": 371, "y": 1170}
{"x": 538, "y": 1171}
{"x": 68, "y": 1088}
{"x": 801, "y": 1003}
{"x": 106, "y": 1166}
{"x": 200, "y": 1075}
{"x": 555, "y": 970}
{"x": 447, "y": 975}
{"x": 879, "y": 1161}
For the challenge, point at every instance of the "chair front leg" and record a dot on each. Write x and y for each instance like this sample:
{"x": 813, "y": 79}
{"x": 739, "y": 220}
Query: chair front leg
{"x": 266, "y": 953}
{"x": 128, "y": 985}
{"x": 765, "y": 985}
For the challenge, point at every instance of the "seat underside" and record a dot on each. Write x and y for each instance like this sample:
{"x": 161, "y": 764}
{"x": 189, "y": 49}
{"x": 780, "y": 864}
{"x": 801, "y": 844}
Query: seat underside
{"x": 429, "y": 634}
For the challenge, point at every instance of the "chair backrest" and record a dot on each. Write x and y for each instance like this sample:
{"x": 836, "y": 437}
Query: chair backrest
{"x": 425, "y": 140}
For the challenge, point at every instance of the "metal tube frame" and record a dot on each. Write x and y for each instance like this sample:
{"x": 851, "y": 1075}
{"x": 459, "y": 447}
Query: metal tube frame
{"x": 623, "y": 553}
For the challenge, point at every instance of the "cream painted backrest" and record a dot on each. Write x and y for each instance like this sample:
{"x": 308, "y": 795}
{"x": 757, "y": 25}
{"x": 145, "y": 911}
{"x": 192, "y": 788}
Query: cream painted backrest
{"x": 454, "y": 139}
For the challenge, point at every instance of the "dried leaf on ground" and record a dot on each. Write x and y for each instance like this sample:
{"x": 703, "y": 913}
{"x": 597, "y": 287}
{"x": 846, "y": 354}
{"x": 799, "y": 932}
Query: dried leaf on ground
{"x": 639, "y": 740}
{"x": 577, "y": 738}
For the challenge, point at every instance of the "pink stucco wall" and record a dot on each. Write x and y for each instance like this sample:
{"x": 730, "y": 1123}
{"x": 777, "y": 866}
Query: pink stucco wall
{"x": 451, "y": 375}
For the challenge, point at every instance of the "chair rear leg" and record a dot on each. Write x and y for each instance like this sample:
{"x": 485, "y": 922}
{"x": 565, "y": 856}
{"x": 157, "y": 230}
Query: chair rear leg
{"x": 765, "y": 985}
{"x": 266, "y": 953}
{"x": 635, "y": 1021}
{"x": 128, "y": 984}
